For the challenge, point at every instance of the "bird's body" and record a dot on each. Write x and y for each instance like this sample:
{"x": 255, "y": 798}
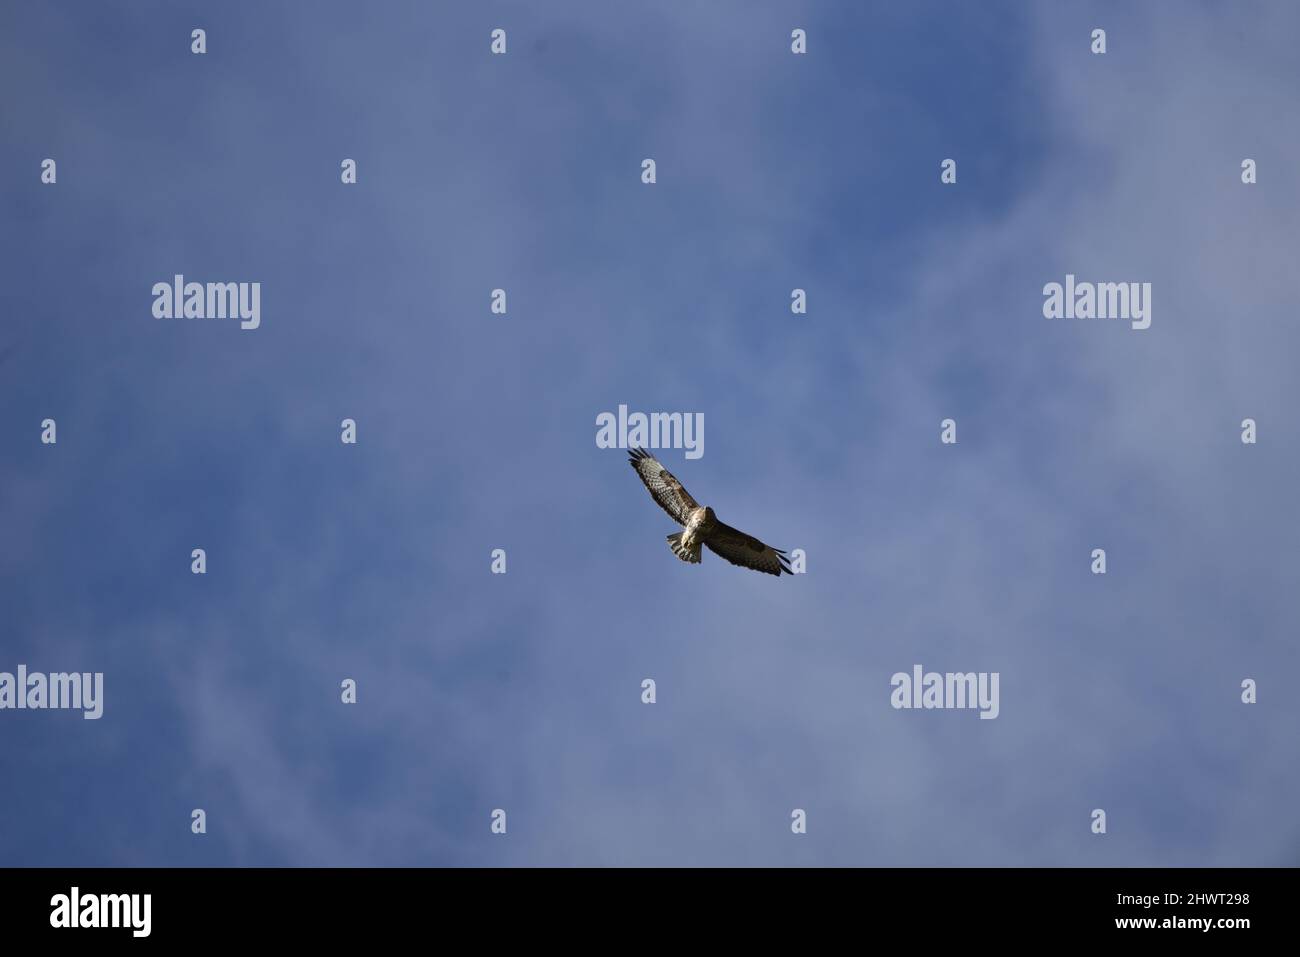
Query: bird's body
{"x": 699, "y": 524}
{"x": 701, "y": 527}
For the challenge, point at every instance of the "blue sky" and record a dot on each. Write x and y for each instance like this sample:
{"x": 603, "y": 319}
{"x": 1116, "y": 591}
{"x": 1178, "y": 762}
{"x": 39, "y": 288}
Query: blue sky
{"x": 477, "y": 431}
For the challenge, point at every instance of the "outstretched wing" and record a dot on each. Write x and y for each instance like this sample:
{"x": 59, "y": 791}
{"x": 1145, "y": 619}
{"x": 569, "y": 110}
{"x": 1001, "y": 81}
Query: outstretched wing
{"x": 746, "y": 550}
{"x": 663, "y": 486}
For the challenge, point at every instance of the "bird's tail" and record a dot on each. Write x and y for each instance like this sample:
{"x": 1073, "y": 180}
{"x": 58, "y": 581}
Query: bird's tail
{"x": 691, "y": 555}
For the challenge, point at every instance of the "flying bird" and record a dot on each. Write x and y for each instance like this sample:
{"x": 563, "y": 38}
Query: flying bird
{"x": 702, "y": 526}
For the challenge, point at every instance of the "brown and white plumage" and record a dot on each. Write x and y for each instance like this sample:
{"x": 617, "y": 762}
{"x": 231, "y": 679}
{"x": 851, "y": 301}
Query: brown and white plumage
{"x": 702, "y": 526}
{"x": 663, "y": 485}
{"x": 746, "y": 550}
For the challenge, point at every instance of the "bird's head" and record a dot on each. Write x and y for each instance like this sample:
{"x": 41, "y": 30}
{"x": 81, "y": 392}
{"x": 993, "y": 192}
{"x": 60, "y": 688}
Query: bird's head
{"x": 708, "y": 515}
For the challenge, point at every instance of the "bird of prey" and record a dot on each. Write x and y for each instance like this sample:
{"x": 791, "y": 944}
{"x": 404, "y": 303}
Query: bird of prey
{"x": 702, "y": 526}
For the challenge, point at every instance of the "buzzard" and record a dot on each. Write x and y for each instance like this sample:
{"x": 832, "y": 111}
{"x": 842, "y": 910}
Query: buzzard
{"x": 702, "y": 526}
